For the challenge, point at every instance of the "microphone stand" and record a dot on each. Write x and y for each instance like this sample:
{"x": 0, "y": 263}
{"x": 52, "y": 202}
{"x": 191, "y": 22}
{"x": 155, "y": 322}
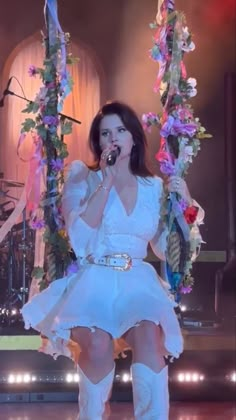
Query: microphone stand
{"x": 9, "y": 92}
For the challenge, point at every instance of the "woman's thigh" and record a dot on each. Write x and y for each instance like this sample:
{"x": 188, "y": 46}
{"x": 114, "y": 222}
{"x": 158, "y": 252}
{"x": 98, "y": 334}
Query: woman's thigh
{"x": 92, "y": 339}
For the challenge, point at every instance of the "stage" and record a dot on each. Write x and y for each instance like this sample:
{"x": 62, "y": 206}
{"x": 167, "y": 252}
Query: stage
{"x": 119, "y": 411}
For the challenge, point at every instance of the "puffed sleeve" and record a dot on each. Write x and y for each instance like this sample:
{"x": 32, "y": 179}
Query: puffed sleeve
{"x": 159, "y": 241}
{"x": 74, "y": 202}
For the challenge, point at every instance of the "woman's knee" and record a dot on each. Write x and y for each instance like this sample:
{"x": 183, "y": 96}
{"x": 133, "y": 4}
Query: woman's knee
{"x": 95, "y": 343}
{"x": 146, "y": 336}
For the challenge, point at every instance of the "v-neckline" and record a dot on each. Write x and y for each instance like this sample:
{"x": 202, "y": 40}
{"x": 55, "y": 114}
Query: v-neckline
{"x": 99, "y": 174}
{"x": 121, "y": 202}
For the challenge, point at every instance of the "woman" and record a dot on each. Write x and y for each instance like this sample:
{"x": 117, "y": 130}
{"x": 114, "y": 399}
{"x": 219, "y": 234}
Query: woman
{"x": 112, "y": 212}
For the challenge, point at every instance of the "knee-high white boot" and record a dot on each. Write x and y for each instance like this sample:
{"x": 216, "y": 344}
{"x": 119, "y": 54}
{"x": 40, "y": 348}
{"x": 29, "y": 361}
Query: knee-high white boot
{"x": 93, "y": 397}
{"x": 150, "y": 393}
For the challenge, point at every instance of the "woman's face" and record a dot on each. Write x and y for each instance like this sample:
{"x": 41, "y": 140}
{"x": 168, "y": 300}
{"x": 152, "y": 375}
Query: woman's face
{"x": 112, "y": 132}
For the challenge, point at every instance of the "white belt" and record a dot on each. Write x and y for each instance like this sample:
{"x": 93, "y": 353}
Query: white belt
{"x": 122, "y": 262}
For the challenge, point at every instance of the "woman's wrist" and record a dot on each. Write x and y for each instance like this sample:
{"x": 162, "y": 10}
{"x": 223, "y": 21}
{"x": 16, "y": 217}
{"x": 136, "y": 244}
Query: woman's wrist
{"x": 102, "y": 187}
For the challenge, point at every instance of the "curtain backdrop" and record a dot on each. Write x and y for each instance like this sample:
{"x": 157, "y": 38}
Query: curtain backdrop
{"x": 82, "y": 104}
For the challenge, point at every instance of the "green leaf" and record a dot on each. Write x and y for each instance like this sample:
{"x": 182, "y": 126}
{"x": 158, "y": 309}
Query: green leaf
{"x": 70, "y": 59}
{"x": 42, "y": 131}
{"x": 66, "y": 128}
{"x": 32, "y": 107}
{"x": 28, "y": 125}
{"x": 38, "y": 272}
{"x": 178, "y": 99}
{"x": 43, "y": 284}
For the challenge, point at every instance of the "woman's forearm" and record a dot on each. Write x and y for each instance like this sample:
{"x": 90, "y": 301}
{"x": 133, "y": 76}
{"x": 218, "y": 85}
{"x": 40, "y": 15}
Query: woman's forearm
{"x": 96, "y": 204}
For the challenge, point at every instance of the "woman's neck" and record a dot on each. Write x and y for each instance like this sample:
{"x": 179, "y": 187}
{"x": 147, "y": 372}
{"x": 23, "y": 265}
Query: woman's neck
{"x": 124, "y": 169}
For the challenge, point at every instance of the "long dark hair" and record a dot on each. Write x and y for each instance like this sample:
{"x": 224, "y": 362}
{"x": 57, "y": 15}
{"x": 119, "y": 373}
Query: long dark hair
{"x": 138, "y": 165}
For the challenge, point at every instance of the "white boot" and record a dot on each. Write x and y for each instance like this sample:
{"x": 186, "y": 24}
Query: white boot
{"x": 93, "y": 397}
{"x": 150, "y": 393}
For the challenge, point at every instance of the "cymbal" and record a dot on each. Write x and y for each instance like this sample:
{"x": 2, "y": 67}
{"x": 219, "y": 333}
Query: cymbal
{"x": 11, "y": 183}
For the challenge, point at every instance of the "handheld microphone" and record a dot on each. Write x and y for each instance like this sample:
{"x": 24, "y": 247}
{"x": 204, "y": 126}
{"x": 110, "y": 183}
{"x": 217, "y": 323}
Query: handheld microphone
{"x": 113, "y": 155}
{"x": 5, "y": 92}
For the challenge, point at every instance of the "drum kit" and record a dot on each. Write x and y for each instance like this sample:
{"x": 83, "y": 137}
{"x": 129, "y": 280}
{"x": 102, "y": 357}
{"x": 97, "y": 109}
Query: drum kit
{"x": 16, "y": 257}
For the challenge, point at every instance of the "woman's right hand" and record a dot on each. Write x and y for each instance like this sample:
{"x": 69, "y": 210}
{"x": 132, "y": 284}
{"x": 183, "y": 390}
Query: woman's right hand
{"x": 108, "y": 171}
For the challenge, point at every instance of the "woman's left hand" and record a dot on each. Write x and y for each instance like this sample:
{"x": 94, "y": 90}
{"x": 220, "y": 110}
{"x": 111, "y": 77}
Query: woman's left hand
{"x": 179, "y": 186}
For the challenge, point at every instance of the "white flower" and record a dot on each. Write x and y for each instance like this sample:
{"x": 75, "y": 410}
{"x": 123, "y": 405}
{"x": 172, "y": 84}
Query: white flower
{"x": 192, "y": 83}
{"x": 185, "y": 46}
{"x": 188, "y": 154}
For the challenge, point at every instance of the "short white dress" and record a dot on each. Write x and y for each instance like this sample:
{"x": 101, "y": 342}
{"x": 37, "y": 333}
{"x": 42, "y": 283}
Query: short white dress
{"x": 100, "y": 296}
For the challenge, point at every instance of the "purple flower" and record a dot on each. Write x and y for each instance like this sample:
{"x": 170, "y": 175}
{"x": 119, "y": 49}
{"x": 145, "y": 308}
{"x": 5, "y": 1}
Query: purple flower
{"x": 50, "y": 120}
{"x": 57, "y": 164}
{"x": 183, "y": 204}
{"x": 32, "y": 71}
{"x": 185, "y": 289}
{"x": 167, "y": 168}
{"x": 72, "y": 268}
{"x": 37, "y": 224}
{"x": 175, "y": 127}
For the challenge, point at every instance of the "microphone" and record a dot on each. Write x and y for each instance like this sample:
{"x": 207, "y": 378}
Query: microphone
{"x": 5, "y": 92}
{"x": 113, "y": 155}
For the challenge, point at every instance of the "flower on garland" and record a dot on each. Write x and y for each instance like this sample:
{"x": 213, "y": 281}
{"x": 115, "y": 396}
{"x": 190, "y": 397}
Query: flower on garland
{"x": 180, "y": 132}
{"x": 32, "y": 71}
{"x": 47, "y": 130}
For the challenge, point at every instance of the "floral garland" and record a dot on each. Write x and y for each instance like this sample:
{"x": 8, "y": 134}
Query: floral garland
{"x": 181, "y": 133}
{"x": 47, "y": 131}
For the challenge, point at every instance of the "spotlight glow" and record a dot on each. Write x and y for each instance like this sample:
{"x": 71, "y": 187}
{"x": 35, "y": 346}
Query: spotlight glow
{"x": 69, "y": 378}
{"x": 76, "y": 377}
{"x": 233, "y": 377}
{"x": 190, "y": 377}
{"x": 11, "y": 379}
{"x": 126, "y": 377}
{"x": 26, "y": 378}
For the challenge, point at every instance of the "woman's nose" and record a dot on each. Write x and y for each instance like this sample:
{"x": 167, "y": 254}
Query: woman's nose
{"x": 113, "y": 138}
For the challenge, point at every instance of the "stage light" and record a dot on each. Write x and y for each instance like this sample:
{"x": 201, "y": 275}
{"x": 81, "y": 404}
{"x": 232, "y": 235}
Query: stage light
{"x": 193, "y": 377}
{"x": 26, "y": 378}
{"x": 233, "y": 377}
{"x": 183, "y": 308}
{"x": 19, "y": 379}
{"x": 126, "y": 377}
{"x": 11, "y": 379}
{"x": 69, "y": 378}
{"x": 72, "y": 378}
{"x": 76, "y": 377}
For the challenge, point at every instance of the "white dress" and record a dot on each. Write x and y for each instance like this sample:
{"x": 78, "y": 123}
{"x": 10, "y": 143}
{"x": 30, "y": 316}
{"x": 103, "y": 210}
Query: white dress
{"x": 98, "y": 296}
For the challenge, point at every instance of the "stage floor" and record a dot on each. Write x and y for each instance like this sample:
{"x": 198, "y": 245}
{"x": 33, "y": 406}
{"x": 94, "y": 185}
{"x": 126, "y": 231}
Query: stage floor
{"x": 119, "y": 411}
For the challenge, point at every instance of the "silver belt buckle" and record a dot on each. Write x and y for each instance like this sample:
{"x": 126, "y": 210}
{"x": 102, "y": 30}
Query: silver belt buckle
{"x": 128, "y": 261}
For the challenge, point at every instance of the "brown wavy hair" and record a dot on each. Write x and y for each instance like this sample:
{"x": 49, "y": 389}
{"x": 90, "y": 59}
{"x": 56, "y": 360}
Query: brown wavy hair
{"x": 138, "y": 164}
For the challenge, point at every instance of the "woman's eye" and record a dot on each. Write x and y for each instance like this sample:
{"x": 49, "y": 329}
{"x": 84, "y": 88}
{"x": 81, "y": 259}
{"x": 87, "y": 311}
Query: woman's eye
{"x": 104, "y": 133}
{"x": 122, "y": 129}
